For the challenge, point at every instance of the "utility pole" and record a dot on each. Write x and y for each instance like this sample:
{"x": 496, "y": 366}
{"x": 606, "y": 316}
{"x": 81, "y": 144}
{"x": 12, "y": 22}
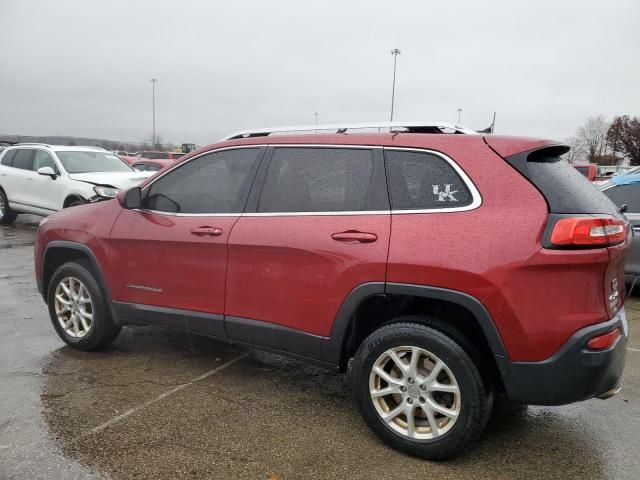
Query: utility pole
{"x": 459, "y": 116}
{"x": 395, "y": 52}
{"x": 153, "y": 86}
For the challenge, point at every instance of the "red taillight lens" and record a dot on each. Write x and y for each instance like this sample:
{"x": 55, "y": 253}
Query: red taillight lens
{"x": 602, "y": 342}
{"x": 588, "y": 231}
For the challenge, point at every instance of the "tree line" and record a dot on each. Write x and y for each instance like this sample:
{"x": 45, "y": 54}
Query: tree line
{"x": 606, "y": 143}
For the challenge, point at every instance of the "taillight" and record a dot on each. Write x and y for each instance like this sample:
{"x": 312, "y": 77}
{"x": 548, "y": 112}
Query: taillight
{"x": 603, "y": 342}
{"x": 588, "y": 231}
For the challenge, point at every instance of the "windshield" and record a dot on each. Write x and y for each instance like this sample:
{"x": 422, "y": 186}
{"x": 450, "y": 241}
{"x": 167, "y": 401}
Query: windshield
{"x": 88, "y": 161}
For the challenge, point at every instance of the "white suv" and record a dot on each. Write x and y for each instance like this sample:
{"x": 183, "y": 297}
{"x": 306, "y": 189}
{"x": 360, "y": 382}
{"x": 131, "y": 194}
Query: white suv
{"x": 42, "y": 179}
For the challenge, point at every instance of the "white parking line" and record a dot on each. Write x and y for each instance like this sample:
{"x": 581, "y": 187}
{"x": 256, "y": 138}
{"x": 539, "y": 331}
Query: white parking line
{"x": 633, "y": 349}
{"x": 133, "y": 410}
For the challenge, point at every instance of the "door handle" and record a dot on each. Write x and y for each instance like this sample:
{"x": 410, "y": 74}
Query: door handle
{"x": 353, "y": 236}
{"x": 206, "y": 231}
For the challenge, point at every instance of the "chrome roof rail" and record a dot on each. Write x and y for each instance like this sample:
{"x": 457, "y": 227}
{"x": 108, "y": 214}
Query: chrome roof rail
{"x": 393, "y": 127}
{"x": 32, "y": 143}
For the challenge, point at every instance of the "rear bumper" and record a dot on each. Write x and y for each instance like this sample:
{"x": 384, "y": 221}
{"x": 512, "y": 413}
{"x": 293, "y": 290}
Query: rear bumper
{"x": 573, "y": 373}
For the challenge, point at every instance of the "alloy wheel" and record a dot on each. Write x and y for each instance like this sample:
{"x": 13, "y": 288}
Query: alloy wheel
{"x": 74, "y": 308}
{"x": 414, "y": 392}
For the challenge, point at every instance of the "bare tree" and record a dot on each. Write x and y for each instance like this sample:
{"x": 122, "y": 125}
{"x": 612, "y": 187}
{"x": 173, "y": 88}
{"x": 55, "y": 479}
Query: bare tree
{"x": 593, "y": 136}
{"x": 576, "y": 154}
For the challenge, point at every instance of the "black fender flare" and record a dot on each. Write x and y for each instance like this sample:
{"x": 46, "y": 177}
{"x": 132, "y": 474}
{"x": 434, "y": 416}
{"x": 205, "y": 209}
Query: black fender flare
{"x": 334, "y": 345}
{"x": 80, "y": 247}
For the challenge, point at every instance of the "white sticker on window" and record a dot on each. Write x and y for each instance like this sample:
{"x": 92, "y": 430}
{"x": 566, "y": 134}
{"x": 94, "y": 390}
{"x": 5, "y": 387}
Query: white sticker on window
{"x": 446, "y": 194}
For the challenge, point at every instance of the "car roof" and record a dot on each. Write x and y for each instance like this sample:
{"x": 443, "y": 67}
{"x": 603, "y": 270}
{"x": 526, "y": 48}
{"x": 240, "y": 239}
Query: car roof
{"x": 60, "y": 148}
{"x": 504, "y": 145}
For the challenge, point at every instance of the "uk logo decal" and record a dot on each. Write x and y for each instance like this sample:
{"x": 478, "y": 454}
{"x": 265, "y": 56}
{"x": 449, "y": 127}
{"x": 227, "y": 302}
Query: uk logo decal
{"x": 445, "y": 195}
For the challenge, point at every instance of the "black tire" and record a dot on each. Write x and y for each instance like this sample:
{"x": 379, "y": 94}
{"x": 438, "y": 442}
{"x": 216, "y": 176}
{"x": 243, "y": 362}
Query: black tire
{"x": 103, "y": 329}
{"x": 7, "y": 216}
{"x": 476, "y": 398}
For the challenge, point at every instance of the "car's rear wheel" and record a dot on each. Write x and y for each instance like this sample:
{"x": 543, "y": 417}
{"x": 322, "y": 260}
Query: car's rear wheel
{"x": 7, "y": 215}
{"x": 78, "y": 309}
{"x": 420, "y": 391}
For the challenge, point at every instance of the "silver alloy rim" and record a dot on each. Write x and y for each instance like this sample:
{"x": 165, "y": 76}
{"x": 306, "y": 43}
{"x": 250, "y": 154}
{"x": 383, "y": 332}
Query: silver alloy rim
{"x": 1, "y": 206}
{"x": 74, "y": 308}
{"x": 415, "y": 392}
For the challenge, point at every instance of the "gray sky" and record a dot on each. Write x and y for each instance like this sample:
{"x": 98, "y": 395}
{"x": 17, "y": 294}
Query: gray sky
{"x": 83, "y": 67}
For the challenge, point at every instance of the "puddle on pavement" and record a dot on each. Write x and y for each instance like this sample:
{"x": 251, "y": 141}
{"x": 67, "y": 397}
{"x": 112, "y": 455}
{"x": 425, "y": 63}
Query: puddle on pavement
{"x": 268, "y": 415}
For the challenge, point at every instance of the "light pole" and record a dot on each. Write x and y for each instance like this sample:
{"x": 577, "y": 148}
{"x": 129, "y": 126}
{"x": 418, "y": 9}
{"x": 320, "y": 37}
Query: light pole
{"x": 153, "y": 86}
{"x": 316, "y": 115}
{"x": 395, "y": 52}
{"x": 459, "y": 115}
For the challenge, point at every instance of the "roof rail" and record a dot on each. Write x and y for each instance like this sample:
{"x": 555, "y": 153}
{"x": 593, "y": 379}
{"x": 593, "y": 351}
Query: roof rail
{"x": 405, "y": 127}
{"x": 32, "y": 143}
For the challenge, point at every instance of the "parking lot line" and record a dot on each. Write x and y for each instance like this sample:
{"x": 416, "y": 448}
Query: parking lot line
{"x": 133, "y": 410}
{"x": 633, "y": 349}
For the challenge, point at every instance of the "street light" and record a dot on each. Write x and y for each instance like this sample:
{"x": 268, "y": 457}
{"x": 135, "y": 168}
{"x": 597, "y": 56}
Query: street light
{"x": 459, "y": 116}
{"x": 395, "y": 52}
{"x": 153, "y": 86}
{"x": 316, "y": 114}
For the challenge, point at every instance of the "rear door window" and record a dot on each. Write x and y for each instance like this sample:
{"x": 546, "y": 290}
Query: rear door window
{"x": 24, "y": 159}
{"x": 317, "y": 179}
{"x": 628, "y": 195}
{"x": 424, "y": 181}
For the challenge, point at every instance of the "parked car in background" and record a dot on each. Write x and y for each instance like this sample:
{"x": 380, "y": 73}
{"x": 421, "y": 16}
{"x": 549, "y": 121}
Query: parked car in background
{"x": 449, "y": 267}
{"x": 151, "y": 165}
{"x": 589, "y": 170}
{"x": 624, "y": 191}
{"x": 41, "y": 179}
{"x": 130, "y": 159}
{"x": 160, "y": 155}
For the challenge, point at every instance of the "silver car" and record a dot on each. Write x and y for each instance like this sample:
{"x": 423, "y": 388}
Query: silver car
{"x": 625, "y": 190}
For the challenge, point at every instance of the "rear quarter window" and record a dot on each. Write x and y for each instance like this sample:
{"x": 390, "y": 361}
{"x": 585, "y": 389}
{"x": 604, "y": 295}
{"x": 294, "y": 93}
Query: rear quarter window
{"x": 7, "y": 159}
{"x": 424, "y": 181}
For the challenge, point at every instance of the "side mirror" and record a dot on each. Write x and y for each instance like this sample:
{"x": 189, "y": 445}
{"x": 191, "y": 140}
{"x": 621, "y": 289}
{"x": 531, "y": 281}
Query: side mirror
{"x": 48, "y": 171}
{"x": 132, "y": 198}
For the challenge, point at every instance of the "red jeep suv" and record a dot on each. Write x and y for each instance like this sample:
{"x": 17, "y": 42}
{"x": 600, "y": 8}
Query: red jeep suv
{"x": 449, "y": 265}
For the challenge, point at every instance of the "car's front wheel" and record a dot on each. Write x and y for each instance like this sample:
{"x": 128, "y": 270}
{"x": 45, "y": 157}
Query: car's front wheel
{"x": 420, "y": 391}
{"x": 78, "y": 309}
{"x": 7, "y": 215}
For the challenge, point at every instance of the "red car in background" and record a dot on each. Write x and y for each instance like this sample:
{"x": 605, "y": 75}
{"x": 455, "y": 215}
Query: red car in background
{"x": 145, "y": 165}
{"x": 160, "y": 155}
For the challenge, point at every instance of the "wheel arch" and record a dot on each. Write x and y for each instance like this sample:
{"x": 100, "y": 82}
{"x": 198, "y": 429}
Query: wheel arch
{"x": 376, "y": 296}
{"x": 58, "y": 252}
{"x": 71, "y": 197}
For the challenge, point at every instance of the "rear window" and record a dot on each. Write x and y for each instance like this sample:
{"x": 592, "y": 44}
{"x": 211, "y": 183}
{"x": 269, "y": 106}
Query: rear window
{"x": 628, "y": 195}
{"x": 7, "y": 159}
{"x": 583, "y": 170}
{"x": 563, "y": 186}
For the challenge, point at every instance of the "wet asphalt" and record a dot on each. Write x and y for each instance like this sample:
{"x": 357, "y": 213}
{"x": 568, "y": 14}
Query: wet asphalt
{"x": 164, "y": 405}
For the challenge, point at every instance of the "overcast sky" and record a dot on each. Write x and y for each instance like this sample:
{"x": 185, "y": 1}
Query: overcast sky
{"x": 83, "y": 67}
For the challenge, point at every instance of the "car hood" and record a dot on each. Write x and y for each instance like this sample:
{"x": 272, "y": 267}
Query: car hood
{"x": 120, "y": 180}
